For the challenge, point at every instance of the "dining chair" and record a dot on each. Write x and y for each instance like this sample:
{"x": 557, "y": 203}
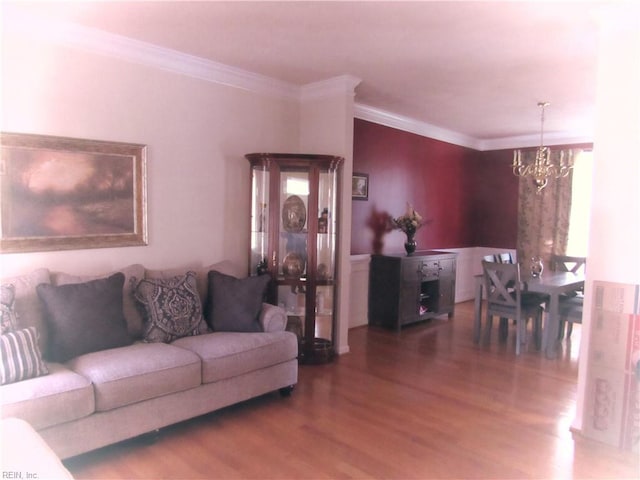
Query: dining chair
{"x": 569, "y": 312}
{"x": 567, "y": 263}
{"x": 504, "y": 257}
{"x": 505, "y": 299}
{"x": 570, "y": 306}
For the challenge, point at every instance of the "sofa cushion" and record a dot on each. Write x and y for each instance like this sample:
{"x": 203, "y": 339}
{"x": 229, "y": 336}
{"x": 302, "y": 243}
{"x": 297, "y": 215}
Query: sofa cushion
{"x": 172, "y": 307}
{"x": 84, "y": 317}
{"x": 61, "y": 396}
{"x": 228, "y": 354}
{"x": 122, "y": 376}
{"x": 129, "y": 307}
{"x": 20, "y": 356}
{"x": 234, "y": 304}
{"x": 8, "y": 315}
{"x": 28, "y": 308}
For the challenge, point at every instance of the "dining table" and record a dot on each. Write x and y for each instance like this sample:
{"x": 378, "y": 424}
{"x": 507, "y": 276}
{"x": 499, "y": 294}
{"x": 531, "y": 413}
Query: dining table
{"x": 553, "y": 284}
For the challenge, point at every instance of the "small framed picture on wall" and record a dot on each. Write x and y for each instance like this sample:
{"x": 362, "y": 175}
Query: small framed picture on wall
{"x": 360, "y": 186}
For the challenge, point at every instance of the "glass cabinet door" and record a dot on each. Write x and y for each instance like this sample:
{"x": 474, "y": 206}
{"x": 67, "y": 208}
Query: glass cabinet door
{"x": 293, "y": 239}
{"x": 294, "y": 224}
{"x": 259, "y": 219}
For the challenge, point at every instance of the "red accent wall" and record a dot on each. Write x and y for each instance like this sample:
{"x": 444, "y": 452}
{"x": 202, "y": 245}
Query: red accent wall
{"x": 468, "y": 197}
{"x": 495, "y": 211}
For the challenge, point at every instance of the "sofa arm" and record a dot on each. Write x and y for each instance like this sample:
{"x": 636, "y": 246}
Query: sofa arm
{"x": 26, "y": 455}
{"x": 272, "y": 318}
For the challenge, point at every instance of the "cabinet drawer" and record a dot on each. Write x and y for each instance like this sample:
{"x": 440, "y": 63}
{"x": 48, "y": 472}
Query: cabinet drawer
{"x": 420, "y": 270}
{"x": 448, "y": 266}
{"x": 430, "y": 269}
{"x": 411, "y": 270}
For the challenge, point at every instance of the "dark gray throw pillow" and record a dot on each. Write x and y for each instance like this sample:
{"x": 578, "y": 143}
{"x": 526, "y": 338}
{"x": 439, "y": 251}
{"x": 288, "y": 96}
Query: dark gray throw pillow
{"x": 234, "y": 304}
{"x": 172, "y": 307}
{"x": 84, "y": 317}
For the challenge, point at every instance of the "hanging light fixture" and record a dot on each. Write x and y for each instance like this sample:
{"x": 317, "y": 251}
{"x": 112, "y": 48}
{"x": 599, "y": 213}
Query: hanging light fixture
{"x": 542, "y": 167}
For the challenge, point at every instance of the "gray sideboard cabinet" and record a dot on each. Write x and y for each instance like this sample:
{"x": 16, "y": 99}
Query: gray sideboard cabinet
{"x": 408, "y": 289}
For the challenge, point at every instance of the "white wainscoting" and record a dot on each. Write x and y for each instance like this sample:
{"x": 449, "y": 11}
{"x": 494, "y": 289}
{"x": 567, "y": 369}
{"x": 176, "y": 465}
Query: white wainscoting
{"x": 359, "y": 298}
{"x": 467, "y": 265}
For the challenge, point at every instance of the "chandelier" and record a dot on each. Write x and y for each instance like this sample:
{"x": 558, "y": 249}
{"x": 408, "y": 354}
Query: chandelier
{"x": 542, "y": 167}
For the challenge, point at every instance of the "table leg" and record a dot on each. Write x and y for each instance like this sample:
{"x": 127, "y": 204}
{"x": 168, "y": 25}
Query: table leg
{"x": 477, "y": 320}
{"x": 551, "y": 328}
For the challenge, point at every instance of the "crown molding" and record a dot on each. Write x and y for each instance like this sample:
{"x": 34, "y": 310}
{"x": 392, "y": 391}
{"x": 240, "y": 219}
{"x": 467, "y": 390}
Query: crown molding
{"x": 147, "y": 54}
{"x": 526, "y": 141}
{"x": 389, "y": 119}
{"x": 342, "y": 85}
{"x": 124, "y": 48}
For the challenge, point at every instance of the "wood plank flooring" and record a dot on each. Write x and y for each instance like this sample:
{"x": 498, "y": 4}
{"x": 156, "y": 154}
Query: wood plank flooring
{"x": 424, "y": 403}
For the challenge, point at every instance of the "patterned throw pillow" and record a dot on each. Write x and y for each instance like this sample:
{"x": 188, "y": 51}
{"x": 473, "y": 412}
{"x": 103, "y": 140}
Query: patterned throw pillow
{"x": 172, "y": 306}
{"x": 8, "y": 315}
{"x": 28, "y": 307}
{"x": 20, "y": 356}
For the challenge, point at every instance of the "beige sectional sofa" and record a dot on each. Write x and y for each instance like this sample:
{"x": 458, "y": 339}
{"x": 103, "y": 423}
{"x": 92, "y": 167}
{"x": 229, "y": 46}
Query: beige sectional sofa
{"x": 25, "y": 454}
{"x": 110, "y": 394}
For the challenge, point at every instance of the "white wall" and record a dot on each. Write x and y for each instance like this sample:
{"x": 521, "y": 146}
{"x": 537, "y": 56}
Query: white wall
{"x": 197, "y": 133}
{"x": 326, "y": 119}
{"x": 614, "y": 237}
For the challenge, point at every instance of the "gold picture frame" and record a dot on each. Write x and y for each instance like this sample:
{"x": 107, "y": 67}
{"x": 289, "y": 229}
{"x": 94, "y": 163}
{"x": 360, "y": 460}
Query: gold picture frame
{"x": 59, "y": 193}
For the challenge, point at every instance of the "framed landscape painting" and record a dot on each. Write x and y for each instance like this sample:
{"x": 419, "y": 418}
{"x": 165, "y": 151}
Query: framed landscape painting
{"x": 64, "y": 193}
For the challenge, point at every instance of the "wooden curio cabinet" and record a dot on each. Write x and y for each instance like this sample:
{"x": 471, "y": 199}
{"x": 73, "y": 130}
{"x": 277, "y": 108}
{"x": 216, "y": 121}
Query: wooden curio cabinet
{"x": 293, "y": 239}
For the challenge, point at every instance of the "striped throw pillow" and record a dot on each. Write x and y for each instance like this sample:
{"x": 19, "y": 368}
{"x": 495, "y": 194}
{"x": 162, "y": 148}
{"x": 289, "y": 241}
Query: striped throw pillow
{"x": 20, "y": 356}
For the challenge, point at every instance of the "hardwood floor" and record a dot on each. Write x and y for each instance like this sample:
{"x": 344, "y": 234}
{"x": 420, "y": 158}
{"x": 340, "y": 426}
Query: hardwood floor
{"x": 423, "y": 403}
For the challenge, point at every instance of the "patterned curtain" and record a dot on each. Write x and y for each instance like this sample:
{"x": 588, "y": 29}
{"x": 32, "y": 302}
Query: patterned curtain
{"x": 543, "y": 218}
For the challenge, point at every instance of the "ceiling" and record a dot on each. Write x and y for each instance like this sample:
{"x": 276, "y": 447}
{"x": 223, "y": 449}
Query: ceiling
{"x": 474, "y": 68}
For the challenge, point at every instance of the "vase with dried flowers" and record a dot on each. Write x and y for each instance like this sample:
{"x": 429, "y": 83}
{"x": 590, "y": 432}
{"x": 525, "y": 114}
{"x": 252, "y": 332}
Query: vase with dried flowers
{"x": 409, "y": 223}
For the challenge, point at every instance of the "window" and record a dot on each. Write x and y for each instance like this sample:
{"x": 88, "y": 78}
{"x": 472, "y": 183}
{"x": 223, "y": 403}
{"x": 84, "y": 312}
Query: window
{"x": 580, "y": 205}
